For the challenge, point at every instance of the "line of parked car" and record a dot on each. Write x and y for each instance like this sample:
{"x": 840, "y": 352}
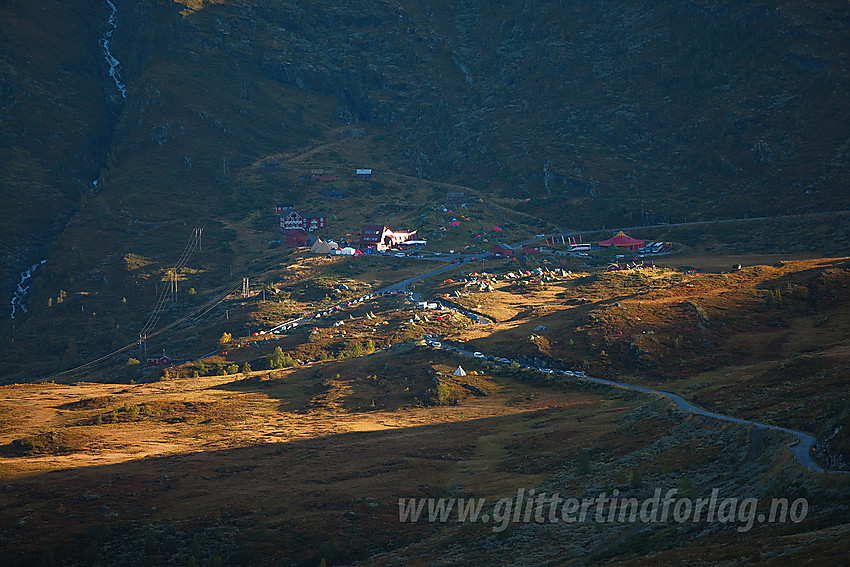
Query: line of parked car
{"x": 431, "y": 340}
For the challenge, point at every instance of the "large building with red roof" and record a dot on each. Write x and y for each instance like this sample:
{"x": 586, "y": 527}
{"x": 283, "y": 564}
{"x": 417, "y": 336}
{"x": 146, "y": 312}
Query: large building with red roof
{"x": 623, "y": 240}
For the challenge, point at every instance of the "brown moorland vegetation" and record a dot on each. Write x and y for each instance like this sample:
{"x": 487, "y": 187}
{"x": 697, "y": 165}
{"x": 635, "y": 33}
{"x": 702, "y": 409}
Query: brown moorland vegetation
{"x": 308, "y": 463}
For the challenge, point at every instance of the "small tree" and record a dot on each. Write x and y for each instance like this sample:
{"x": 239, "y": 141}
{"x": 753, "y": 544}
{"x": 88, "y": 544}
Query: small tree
{"x": 133, "y": 412}
{"x": 246, "y": 369}
{"x": 225, "y": 338}
{"x": 276, "y": 360}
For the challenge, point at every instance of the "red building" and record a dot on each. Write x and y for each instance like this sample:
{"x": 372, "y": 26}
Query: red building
{"x": 159, "y": 360}
{"x": 295, "y": 237}
{"x": 290, "y": 219}
{"x": 623, "y": 240}
{"x": 502, "y": 251}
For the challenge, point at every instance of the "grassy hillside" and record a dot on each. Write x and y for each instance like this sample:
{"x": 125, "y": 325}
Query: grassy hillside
{"x": 306, "y": 464}
{"x": 587, "y": 116}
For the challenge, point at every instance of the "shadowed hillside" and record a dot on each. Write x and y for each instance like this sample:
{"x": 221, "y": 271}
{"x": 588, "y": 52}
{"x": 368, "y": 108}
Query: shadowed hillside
{"x": 587, "y": 115}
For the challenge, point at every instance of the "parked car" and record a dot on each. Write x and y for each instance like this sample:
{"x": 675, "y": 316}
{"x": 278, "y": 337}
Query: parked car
{"x": 477, "y": 354}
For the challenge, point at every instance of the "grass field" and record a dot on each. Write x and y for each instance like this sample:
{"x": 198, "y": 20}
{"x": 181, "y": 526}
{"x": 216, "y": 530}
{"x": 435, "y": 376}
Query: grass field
{"x": 308, "y": 463}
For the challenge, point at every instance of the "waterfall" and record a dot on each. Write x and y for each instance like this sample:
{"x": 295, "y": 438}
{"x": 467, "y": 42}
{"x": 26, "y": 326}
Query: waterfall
{"x": 114, "y": 64}
{"x": 22, "y": 289}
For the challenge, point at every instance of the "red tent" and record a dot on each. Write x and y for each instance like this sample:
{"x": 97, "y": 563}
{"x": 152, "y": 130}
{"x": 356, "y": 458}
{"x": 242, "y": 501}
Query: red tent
{"x": 623, "y": 240}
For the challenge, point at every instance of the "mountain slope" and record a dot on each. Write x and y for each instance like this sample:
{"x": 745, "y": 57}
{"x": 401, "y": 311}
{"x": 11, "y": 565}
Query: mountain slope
{"x": 587, "y": 115}
{"x": 55, "y": 121}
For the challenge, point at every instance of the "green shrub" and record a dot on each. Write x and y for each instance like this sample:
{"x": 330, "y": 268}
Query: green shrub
{"x": 276, "y": 359}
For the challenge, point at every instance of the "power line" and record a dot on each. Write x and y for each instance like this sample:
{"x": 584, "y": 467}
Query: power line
{"x": 205, "y": 308}
{"x": 170, "y": 291}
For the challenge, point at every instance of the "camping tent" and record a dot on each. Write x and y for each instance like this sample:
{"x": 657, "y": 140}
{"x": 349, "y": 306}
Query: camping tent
{"x": 460, "y": 371}
{"x": 623, "y": 240}
{"x": 320, "y": 247}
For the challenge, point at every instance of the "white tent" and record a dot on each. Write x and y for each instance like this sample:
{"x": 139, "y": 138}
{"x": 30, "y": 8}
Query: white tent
{"x": 460, "y": 371}
{"x": 320, "y": 247}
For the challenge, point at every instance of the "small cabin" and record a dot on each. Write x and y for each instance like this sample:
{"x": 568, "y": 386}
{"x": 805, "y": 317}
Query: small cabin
{"x": 159, "y": 360}
{"x": 322, "y": 175}
{"x": 333, "y": 194}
